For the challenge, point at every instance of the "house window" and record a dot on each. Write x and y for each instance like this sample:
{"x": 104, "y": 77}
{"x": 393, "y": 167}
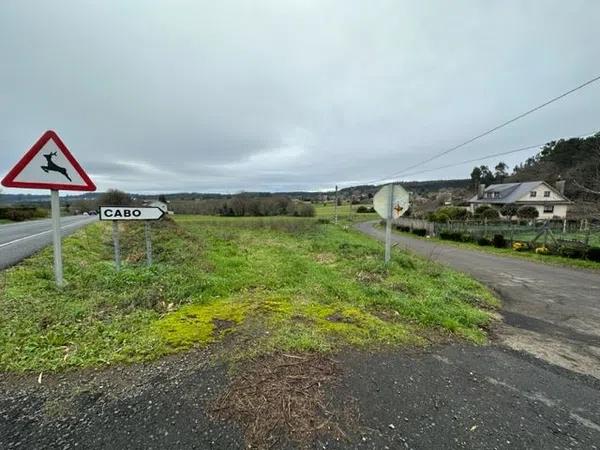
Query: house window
{"x": 533, "y": 194}
{"x": 488, "y": 195}
{"x": 546, "y": 193}
{"x": 496, "y": 194}
{"x": 548, "y": 208}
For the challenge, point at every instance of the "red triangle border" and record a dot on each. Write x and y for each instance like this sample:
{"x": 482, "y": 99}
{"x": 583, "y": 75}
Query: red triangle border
{"x": 9, "y": 179}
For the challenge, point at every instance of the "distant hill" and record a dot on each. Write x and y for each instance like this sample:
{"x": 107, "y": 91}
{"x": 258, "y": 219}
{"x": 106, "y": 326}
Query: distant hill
{"x": 575, "y": 160}
{"x": 419, "y": 187}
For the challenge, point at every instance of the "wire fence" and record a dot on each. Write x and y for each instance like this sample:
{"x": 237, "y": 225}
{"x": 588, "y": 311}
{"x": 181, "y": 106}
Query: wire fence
{"x": 552, "y": 231}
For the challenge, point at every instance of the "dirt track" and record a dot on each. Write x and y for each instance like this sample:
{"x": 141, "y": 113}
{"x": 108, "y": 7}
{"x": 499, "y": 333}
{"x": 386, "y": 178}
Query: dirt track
{"x": 550, "y": 311}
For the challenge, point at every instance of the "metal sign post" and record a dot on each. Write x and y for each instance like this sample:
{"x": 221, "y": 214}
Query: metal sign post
{"x": 390, "y": 202}
{"x": 115, "y": 236}
{"x": 336, "y": 205}
{"x": 148, "y": 243}
{"x": 56, "y": 237}
{"x": 388, "y": 230}
{"x": 50, "y": 165}
{"x": 118, "y": 213}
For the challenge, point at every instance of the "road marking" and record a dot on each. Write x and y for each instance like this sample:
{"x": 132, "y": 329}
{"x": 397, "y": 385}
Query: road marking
{"x": 40, "y": 233}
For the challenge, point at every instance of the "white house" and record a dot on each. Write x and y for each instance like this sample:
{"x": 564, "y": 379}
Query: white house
{"x": 158, "y": 204}
{"x": 548, "y": 200}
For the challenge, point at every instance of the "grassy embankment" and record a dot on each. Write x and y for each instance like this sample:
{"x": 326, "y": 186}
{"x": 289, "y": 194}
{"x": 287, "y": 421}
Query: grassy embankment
{"x": 270, "y": 284}
{"x": 531, "y": 255}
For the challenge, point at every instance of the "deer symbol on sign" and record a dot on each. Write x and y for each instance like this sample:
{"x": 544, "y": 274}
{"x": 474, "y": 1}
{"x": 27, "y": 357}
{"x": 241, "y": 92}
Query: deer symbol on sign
{"x": 398, "y": 209}
{"x": 52, "y": 167}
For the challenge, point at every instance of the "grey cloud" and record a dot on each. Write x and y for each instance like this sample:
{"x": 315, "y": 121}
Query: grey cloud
{"x": 277, "y": 95}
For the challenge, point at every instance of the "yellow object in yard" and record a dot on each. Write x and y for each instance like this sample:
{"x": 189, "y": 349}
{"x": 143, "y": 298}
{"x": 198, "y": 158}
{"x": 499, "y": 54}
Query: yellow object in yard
{"x": 520, "y": 246}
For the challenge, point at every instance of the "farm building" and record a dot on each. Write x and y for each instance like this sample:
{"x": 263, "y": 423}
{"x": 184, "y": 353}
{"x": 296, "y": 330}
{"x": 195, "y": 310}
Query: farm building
{"x": 548, "y": 200}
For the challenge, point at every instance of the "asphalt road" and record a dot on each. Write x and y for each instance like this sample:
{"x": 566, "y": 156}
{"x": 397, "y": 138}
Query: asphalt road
{"x": 550, "y": 311}
{"x": 456, "y": 396}
{"x": 22, "y": 239}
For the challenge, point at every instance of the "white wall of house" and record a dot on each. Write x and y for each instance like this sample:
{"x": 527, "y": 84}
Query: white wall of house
{"x": 559, "y": 211}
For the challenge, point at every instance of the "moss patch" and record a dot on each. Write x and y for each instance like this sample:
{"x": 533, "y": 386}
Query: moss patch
{"x": 200, "y": 324}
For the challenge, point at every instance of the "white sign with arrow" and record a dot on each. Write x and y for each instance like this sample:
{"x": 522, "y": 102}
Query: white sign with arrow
{"x": 390, "y": 202}
{"x": 130, "y": 213}
{"x": 118, "y": 213}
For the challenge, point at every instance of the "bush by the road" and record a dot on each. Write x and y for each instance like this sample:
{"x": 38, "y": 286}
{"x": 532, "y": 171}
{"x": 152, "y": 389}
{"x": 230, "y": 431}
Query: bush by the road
{"x": 244, "y": 205}
{"x": 499, "y": 241}
{"x": 483, "y": 241}
{"x": 593, "y": 254}
{"x": 19, "y": 214}
{"x": 420, "y": 232}
{"x": 365, "y": 209}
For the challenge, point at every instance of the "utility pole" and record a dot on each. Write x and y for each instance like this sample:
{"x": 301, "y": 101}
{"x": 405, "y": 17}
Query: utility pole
{"x": 336, "y": 205}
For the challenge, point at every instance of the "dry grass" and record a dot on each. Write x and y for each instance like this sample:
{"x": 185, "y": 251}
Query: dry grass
{"x": 282, "y": 397}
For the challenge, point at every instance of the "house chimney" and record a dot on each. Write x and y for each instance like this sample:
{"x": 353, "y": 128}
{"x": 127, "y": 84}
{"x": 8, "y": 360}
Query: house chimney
{"x": 560, "y": 186}
{"x": 481, "y": 190}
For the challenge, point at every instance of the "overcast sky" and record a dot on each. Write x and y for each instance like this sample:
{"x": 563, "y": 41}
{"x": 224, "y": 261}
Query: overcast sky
{"x": 223, "y": 96}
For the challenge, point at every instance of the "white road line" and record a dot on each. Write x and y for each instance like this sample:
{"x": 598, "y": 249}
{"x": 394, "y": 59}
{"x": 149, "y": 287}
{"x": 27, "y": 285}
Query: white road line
{"x": 38, "y": 234}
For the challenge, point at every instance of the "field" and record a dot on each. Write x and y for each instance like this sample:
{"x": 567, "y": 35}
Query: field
{"x": 345, "y": 212}
{"x": 250, "y": 286}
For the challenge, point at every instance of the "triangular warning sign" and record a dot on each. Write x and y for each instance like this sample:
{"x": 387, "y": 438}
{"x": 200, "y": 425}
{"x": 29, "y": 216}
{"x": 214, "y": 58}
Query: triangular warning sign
{"x": 49, "y": 165}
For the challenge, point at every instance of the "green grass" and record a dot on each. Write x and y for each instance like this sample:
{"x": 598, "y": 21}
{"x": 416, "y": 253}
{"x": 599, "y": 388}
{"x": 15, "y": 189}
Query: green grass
{"x": 545, "y": 259}
{"x": 268, "y": 283}
{"x": 344, "y": 211}
{"x": 2, "y": 221}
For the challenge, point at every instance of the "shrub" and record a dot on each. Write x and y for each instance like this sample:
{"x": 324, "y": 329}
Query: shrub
{"x": 490, "y": 213}
{"x": 527, "y": 212}
{"x": 466, "y": 237}
{"x": 420, "y": 231}
{"x": 509, "y": 210}
{"x": 593, "y": 254}
{"x": 403, "y": 228}
{"x": 445, "y": 235}
{"x": 19, "y": 214}
{"x": 484, "y": 241}
{"x": 573, "y": 250}
{"x": 499, "y": 241}
{"x": 362, "y": 209}
{"x": 323, "y": 220}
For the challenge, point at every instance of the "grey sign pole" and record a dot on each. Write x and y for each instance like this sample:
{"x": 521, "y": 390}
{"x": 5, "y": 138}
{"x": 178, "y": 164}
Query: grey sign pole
{"x": 336, "y": 205}
{"x": 148, "y": 242}
{"x": 56, "y": 237}
{"x": 388, "y": 226}
{"x": 115, "y": 236}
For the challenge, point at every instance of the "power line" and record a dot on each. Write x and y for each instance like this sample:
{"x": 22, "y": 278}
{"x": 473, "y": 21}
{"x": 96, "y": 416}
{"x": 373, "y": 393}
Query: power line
{"x": 490, "y": 131}
{"x": 475, "y": 159}
{"x": 493, "y": 155}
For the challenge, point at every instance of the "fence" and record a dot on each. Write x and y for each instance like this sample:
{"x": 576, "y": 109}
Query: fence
{"x": 581, "y": 232}
{"x": 417, "y": 223}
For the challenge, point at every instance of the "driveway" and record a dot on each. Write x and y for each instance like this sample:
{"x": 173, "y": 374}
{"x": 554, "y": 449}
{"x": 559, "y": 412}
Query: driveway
{"x": 552, "y": 312}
